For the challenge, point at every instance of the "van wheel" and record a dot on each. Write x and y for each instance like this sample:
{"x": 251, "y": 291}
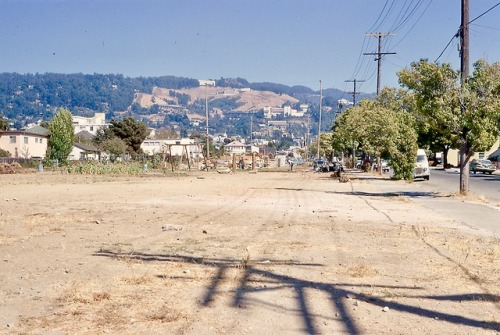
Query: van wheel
{"x": 426, "y": 177}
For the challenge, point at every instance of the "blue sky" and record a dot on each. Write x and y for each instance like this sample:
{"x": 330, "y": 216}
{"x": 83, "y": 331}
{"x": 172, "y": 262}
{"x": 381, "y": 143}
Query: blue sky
{"x": 289, "y": 42}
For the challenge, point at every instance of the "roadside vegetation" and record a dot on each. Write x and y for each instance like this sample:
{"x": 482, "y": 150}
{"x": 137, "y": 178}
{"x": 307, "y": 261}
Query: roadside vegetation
{"x": 432, "y": 110}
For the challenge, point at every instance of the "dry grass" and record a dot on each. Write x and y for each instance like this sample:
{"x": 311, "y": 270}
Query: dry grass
{"x": 164, "y": 314}
{"x": 361, "y": 270}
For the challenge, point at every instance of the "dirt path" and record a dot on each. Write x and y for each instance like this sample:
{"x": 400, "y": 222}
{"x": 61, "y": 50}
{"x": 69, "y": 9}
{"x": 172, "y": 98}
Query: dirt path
{"x": 208, "y": 253}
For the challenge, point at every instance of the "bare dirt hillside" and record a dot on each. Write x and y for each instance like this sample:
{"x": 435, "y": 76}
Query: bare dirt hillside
{"x": 239, "y": 253}
{"x": 250, "y": 100}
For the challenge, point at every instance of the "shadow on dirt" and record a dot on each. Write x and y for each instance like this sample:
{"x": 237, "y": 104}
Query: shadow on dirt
{"x": 396, "y": 194}
{"x": 257, "y": 277}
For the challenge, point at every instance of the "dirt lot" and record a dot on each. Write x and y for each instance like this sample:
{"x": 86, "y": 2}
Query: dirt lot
{"x": 209, "y": 253}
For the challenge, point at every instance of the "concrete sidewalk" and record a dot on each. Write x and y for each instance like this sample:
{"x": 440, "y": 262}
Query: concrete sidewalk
{"x": 472, "y": 212}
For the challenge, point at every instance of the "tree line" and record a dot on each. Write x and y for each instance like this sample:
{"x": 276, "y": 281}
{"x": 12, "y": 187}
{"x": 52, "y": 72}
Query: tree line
{"x": 431, "y": 110}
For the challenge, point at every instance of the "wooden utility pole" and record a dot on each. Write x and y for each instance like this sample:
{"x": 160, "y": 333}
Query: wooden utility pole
{"x": 320, "y": 108}
{"x": 206, "y": 115}
{"x": 464, "y": 74}
{"x": 354, "y": 93}
{"x": 379, "y": 55}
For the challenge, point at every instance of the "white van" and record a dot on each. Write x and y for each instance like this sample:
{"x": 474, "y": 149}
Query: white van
{"x": 421, "y": 166}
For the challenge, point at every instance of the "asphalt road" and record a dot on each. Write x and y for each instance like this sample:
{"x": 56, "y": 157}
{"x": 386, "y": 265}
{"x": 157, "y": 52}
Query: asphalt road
{"x": 483, "y": 185}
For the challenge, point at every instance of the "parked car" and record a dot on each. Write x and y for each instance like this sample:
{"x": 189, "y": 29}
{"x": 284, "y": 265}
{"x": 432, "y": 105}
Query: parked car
{"x": 481, "y": 165}
{"x": 421, "y": 169}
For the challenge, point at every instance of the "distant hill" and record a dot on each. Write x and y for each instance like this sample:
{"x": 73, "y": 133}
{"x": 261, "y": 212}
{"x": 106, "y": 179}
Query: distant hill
{"x": 27, "y": 98}
{"x": 243, "y": 100}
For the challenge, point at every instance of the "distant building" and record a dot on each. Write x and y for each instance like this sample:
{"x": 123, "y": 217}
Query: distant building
{"x": 270, "y": 112}
{"x": 202, "y": 82}
{"x": 174, "y": 147}
{"x": 238, "y": 148}
{"x": 30, "y": 143}
{"x": 82, "y": 151}
{"x": 90, "y": 124}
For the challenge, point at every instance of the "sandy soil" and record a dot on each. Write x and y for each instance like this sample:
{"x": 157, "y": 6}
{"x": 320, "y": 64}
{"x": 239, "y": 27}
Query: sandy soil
{"x": 243, "y": 253}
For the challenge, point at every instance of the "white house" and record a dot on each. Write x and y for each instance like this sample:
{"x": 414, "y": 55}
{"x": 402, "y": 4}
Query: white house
{"x": 235, "y": 147}
{"x": 238, "y": 148}
{"x": 90, "y": 124}
{"x": 175, "y": 147}
{"x": 83, "y": 151}
{"x": 30, "y": 143}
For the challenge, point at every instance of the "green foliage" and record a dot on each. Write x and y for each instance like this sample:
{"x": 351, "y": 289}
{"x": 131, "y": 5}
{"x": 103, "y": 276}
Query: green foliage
{"x": 456, "y": 115}
{"x": 61, "y": 136}
{"x": 4, "y": 153}
{"x": 132, "y": 132}
{"x": 435, "y": 91}
{"x": 37, "y": 94}
{"x": 115, "y": 147}
{"x": 381, "y": 128}
{"x": 225, "y": 104}
{"x": 4, "y": 124}
{"x": 92, "y": 167}
{"x": 325, "y": 146}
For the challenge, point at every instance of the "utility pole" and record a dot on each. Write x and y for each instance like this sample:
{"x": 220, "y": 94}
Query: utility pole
{"x": 320, "y": 108}
{"x": 379, "y": 55}
{"x": 464, "y": 74}
{"x": 251, "y": 127}
{"x": 354, "y": 93}
{"x": 206, "y": 115}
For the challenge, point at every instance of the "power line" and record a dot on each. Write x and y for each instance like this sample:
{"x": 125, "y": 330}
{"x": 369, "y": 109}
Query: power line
{"x": 447, "y": 45}
{"x": 489, "y": 10}
{"x": 460, "y": 29}
{"x": 379, "y": 16}
{"x": 379, "y": 54}
{"x": 413, "y": 26}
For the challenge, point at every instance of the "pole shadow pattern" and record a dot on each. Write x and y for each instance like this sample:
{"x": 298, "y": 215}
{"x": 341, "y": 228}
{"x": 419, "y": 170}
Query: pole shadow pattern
{"x": 260, "y": 272}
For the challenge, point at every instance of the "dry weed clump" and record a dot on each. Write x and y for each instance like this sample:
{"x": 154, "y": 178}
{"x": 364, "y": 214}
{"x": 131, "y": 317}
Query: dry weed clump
{"x": 137, "y": 279}
{"x": 361, "y": 270}
{"x": 164, "y": 314}
{"x": 6, "y": 168}
{"x": 83, "y": 293}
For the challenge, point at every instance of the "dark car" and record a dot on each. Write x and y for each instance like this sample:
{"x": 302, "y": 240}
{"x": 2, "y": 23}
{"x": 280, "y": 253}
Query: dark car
{"x": 482, "y": 165}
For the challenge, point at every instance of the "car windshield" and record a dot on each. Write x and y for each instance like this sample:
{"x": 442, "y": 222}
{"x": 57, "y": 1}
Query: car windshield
{"x": 421, "y": 158}
{"x": 484, "y": 162}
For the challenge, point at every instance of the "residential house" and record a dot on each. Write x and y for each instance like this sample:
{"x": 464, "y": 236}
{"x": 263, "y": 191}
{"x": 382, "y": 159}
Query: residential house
{"x": 238, "y": 148}
{"x": 454, "y": 158}
{"x": 30, "y": 143}
{"x": 175, "y": 147}
{"x": 82, "y": 151}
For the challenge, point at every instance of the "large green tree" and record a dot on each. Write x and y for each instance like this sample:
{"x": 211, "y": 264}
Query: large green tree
{"x": 435, "y": 95}
{"x": 61, "y": 136}
{"x": 466, "y": 115}
{"x": 132, "y": 132}
{"x": 380, "y": 128}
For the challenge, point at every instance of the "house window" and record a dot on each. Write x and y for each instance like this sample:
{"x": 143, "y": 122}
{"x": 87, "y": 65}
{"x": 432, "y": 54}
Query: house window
{"x": 40, "y": 140}
{"x": 12, "y": 139}
{"x": 91, "y": 128}
{"x": 36, "y": 139}
{"x": 481, "y": 155}
{"x": 25, "y": 139}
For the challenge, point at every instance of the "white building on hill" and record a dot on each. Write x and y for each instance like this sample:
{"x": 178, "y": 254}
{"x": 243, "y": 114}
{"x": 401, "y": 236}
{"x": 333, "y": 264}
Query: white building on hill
{"x": 90, "y": 124}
